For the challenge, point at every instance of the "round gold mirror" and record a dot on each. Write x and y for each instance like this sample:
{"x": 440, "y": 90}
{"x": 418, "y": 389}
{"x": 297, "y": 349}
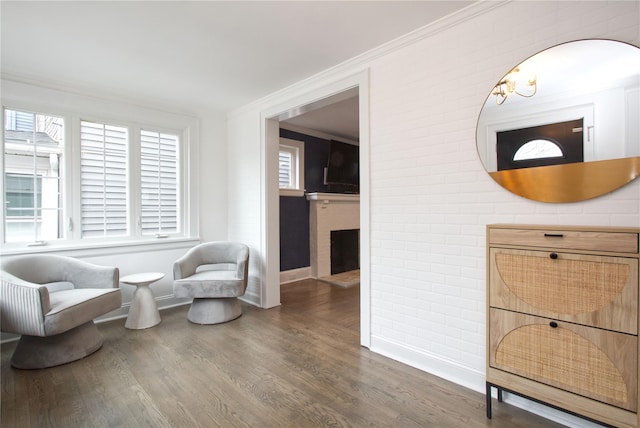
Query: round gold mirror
{"x": 564, "y": 125}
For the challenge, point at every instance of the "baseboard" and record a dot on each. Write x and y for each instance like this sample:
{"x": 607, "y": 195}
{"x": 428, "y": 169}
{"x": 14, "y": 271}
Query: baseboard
{"x": 295, "y": 275}
{"x": 468, "y": 378}
{"x": 251, "y": 298}
{"x": 436, "y": 365}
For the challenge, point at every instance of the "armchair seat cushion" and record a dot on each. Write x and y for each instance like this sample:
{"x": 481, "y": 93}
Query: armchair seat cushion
{"x": 70, "y": 308}
{"x": 57, "y": 286}
{"x": 219, "y": 283}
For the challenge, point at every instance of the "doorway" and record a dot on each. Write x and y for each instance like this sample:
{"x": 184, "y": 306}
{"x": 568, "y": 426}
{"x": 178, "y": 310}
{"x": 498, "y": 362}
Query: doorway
{"x": 319, "y": 98}
{"x": 323, "y": 134}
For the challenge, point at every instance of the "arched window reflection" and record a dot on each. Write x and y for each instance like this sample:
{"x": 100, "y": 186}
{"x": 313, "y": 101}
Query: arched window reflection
{"x": 538, "y": 149}
{"x": 549, "y": 144}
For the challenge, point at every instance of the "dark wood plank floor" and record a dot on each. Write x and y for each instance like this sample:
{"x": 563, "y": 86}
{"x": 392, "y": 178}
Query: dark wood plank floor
{"x": 298, "y": 365}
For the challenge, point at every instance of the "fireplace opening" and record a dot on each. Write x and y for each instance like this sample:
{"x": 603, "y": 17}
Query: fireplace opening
{"x": 345, "y": 250}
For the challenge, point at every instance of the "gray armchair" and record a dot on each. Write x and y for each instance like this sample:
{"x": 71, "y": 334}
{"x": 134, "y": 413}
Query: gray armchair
{"x": 52, "y": 301}
{"x": 215, "y": 274}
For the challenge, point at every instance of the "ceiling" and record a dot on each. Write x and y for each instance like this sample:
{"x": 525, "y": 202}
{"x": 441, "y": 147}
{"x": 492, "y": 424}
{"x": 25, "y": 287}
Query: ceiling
{"x": 201, "y": 55}
{"x": 574, "y": 69}
{"x": 338, "y": 119}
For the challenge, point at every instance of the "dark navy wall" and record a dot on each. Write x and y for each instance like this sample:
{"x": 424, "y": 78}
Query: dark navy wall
{"x": 294, "y": 211}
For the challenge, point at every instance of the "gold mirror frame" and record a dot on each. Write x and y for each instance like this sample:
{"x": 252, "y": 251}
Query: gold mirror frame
{"x": 570, "y": 182}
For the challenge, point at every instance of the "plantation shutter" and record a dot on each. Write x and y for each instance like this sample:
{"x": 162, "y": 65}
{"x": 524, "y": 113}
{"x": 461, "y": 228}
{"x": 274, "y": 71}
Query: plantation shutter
{"x": 19, "y": 120}
{"x": 103, "y": 179}
{"x": 159, "y": 182}
{"x": 286, "y": 165}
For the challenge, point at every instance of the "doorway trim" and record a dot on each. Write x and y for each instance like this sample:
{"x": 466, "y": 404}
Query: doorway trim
{"x": 270, "y": 135}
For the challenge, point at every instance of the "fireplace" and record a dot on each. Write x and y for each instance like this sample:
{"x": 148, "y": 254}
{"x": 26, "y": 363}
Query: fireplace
{"x": 331, "y": 212}
{"x": 345, "y": 250}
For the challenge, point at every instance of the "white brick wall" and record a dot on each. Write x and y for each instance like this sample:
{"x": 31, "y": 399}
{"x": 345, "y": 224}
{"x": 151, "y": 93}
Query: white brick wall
{"x": 430, "y": 196}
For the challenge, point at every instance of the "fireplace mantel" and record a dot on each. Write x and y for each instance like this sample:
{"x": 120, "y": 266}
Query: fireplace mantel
{"x": 345, "y": 197}
{"x": 329, "y": 211}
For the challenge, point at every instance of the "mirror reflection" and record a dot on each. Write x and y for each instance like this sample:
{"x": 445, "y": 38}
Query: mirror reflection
{"x": 573, "y": 103}
{"x": 596, "y": 81}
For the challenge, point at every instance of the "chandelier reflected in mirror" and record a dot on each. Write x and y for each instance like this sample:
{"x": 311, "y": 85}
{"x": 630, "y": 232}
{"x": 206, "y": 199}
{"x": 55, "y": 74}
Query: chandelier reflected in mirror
{"x": 515, "y": 83}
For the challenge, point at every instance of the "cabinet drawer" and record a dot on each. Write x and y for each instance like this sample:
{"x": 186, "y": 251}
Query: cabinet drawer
{"x": 617, "y": 242}
{"x": 594, "y": 363}
{"x": 599, "y": 291}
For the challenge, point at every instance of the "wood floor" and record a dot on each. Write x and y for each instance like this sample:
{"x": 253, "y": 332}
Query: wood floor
{"x": 298, "y": 365}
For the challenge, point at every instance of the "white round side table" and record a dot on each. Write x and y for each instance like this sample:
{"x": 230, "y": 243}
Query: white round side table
{"x": 143, "y": 312}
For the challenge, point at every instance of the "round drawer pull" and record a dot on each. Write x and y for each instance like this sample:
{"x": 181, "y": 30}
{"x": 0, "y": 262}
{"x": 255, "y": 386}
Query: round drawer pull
{"x": 553, "y": 255}
{"x": 553, "y": 324}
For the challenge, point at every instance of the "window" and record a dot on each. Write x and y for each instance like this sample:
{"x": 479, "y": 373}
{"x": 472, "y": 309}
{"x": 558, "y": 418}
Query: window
{"x": 103, "y": 179}
{"x": 538, "y": 149}
{"x": 123, "y": 181}
{"x": 291, "y": 167}
{"x": 159, "y": 183}
{"x": 287, "y": 160}
{"x": 33, "y": 153}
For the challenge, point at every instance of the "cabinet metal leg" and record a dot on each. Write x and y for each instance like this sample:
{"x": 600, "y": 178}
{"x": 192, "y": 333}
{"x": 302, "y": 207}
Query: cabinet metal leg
{"x": 488, "y": 397}
{"x": 500, "y": 391}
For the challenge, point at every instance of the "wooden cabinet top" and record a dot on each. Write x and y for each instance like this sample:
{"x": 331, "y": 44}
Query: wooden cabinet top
{"x": 606, "y": 239}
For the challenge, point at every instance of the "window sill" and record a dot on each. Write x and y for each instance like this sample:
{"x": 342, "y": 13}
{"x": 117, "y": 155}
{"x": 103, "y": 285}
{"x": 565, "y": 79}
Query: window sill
{"x": 104, "y": 248}
{"x": 292, "y": 192}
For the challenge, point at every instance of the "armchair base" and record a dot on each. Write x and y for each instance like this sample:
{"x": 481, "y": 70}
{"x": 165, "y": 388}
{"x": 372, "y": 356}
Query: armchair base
{"x": 214, "y": 310}
{"x": 34, "y": 352}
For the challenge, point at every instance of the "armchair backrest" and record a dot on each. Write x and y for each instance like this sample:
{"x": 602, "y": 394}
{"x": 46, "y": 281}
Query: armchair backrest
{"x": 48, "y": 268}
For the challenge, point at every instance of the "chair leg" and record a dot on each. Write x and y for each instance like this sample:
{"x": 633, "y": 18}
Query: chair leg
{"x": 214, "y": 311}
{"x": 35, "y": 352}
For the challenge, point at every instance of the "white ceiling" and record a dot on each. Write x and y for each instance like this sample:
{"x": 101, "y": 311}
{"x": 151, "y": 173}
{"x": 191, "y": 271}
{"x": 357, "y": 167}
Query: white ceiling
{"x": 197, "y": 55}
{"x": 338, "y": 119}
{"x": 575, "y": 69}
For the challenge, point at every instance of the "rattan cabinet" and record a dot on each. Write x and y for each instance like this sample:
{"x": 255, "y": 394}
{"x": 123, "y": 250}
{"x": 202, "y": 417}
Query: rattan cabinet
{"x": 562, "y": 318}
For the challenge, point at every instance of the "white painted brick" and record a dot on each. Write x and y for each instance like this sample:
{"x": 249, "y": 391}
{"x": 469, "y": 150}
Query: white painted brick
{"x": 430, "y": 196}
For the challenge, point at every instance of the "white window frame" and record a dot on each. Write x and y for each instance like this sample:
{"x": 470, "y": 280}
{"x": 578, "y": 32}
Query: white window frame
{"x": 28, "y": 171}
{"x": 186, "y": 128}
{"x": 296, "y": 149}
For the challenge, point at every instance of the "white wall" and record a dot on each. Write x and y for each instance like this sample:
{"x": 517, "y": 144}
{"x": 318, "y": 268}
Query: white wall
{"x": 244, "y": 185}
{"x": 212, "y": 162}
{"x": 430, "y": 198}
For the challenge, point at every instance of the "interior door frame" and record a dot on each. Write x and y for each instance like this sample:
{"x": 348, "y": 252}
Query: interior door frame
{"x": 270, "y": 118}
